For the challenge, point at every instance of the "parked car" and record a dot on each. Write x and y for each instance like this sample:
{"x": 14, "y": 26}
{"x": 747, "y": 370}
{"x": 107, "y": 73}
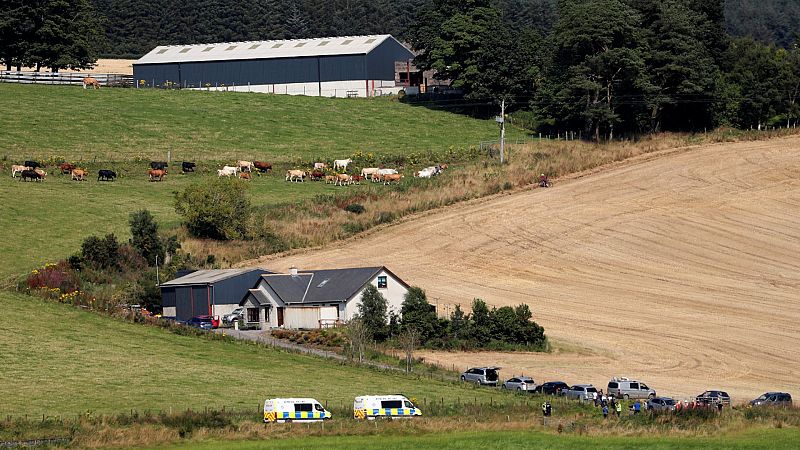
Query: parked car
{"x": 780, "y": 399}
{"x": 661, "y": 404}
{"x": 584, "y": 392}
{"x": 713, "y": 397}
{"x": 519, "y": 384}
{"x": 551, "y": 388}
{"x": 233, "y": 316}
{"x": 202, "y": 322}
{"x": 621, "y": 387}
{"x": 482, "y": 375}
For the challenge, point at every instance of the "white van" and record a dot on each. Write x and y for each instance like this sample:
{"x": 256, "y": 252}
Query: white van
{"x": 386, "y": 406}
{"x": 294, "y": 410}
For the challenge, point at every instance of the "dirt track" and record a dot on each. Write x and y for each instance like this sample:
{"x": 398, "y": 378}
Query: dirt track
{"x": 683, "y": 271}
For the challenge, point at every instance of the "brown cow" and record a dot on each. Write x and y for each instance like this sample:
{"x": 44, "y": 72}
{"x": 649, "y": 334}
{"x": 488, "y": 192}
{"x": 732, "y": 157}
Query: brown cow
{"x": 296, "y": 175}
{"x": 391, "y": 177}
{"x": 244, "y": 175}
{"x": 66, "y": 168}
{"x": 42, "y": 174}
{"x": 156, "y": 174}
{"x": 342, "y": 179}
{"x": 317, "y": 175}
{"x": 78, "y": 174}
{"x": 18, "y": 169}
{"x": 263, "y": 167}
{"x": 330, "y": 179}
{"x": 89, "y": 81}
{"x": 357, "y": 179}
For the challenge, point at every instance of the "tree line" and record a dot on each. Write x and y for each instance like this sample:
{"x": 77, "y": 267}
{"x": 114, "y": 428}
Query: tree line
{"x": 610, "y": 67}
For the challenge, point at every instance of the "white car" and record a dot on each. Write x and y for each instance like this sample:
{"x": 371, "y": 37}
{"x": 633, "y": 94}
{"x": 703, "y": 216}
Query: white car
{"x": 233, "y": 316}
{"x": 519, "y": 384}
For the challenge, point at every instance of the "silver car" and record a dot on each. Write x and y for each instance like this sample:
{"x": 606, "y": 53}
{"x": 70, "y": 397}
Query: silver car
{"x": 627, "y": 388}
{"x": 584, "y": 392}
{"x": 661, "y": 404}
{"x": 233, "y": 316}
{"x": 482, "y": 375}
{"x": 519, "y": 384}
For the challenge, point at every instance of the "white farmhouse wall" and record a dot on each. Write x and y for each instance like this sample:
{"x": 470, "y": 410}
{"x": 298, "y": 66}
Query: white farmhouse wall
{"x": 169, "y": 311}
{"x": 221, "y": 310}
{"x": 394, "y": 293}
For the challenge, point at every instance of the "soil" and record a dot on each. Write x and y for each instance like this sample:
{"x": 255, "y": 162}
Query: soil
{"x": 679, "y": 270}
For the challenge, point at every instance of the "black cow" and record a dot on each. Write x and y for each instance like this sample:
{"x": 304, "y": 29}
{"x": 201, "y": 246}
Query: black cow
{"x": 30, "y": 175}
{"x": 33, "y": 164}
{"x": 106, "y": 175}
{"x": 158, "y": 165}
{"x": 187, "y": 166}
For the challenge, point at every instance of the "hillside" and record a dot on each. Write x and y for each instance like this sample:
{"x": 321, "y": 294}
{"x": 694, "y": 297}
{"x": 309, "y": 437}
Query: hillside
{"x": 67, "y": 361}
{"x": 128, "y": 124}
{"x": 667, "y": 269}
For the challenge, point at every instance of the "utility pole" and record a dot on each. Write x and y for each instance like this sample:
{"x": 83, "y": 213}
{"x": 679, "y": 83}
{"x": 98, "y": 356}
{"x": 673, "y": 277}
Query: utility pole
{"x": 502, "y": 120}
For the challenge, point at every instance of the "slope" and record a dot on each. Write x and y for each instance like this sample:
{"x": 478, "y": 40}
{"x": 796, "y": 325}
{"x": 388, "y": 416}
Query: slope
{"x": 679, "y": 270}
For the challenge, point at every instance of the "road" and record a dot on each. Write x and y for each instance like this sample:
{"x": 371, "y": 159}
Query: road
{"x": 681, "y": 270}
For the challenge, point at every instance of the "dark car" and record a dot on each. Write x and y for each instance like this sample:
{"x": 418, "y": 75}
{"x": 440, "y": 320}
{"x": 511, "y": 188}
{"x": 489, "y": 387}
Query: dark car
{"x": 552, "y": 388}
{"x": 714, "y": 397}
{"x": 202, "y": 322}
{"x": 780, "y": 399}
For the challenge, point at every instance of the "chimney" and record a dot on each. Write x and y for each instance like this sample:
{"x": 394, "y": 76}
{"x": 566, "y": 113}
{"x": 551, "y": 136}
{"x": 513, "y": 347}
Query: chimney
{"x": 293, "y": 271}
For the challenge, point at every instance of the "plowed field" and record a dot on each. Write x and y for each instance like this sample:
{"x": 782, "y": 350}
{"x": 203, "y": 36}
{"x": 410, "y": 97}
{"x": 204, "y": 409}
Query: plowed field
{"x": 681, "y": 270}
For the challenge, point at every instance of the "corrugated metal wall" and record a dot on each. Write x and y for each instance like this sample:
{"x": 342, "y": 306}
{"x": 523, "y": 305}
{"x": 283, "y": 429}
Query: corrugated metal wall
{"x": 190, "y": 301}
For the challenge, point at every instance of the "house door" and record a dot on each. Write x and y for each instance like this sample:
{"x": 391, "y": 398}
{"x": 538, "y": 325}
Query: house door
{"x": 280, "y": 317}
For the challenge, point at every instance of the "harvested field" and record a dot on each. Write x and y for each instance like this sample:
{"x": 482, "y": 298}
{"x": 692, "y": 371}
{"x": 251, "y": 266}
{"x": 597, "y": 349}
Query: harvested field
{"x": 680, "y": 269}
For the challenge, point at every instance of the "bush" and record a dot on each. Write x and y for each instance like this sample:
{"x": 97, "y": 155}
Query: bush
{"x": 54, "y": 276}
{"x": 144, "y": 232}
{"x": 355, "y": 208}
{"x": 216, "y": 209}
{"x": 101, "y": 253}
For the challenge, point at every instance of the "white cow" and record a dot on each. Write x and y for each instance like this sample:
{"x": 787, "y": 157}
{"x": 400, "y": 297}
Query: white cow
{"x": 245, "y": 166}
{"x": 319, "y": 166}
{"x": 17, "y": 169}
{"x": 296, "y": 175}
{"x": 427, "y": 172}
{"x": 367, "y": 172}
{"x": 341, "y": 164}
{"x": 226, "y": 172}
{"x": 383, "y": 172}
{"x": 233, "y": 169}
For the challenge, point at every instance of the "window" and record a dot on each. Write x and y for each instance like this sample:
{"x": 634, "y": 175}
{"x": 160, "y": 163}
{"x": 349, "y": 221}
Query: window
{"x": 230, "y": 48}
{"x": 613, "y": 385}
{"x": 318, "y": 407}
{"x": 185, "y": 50}
{"x": 391, "y": 404}
{"x": 162, "y": 51}
{"x": 277, "y": 46}
{"x": 252, "y": 314}
{"x": 323, "y": 282}
{"x": 634, "y": 386}
{"x": 303, "y": 407}
{"x": 208, "y": 49}
{"x": 323, "y": 43}
{"x": 300, "y": 44}
{"x": 255, "y": 46}
{"x": 369, "y": 41}
{"x": 644, "y": 386}
{"x": 382, "y": 282}
{"x": 347, "y": 42}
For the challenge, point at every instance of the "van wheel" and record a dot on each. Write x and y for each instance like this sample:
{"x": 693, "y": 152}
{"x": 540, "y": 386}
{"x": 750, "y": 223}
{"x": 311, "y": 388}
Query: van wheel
{"x": 463, "y": 378}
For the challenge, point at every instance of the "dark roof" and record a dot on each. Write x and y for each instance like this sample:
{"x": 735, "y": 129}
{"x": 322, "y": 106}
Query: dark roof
{"x": 323, "y": 286}
{"x": 258, "y": 296}
{"x": 211, "y": 276}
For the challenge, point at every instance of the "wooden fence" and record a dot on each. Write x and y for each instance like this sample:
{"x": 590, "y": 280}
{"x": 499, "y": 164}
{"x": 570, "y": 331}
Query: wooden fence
{"x": 67, "y": 78}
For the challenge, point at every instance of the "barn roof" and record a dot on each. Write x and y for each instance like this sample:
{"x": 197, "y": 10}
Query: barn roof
{"x": 322, "y": 286}
{"x": 292, "y": 48}
{"x": 211, "y": 276}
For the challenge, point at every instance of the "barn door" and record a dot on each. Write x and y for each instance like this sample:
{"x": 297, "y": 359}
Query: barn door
{"x": 280, "y": 317}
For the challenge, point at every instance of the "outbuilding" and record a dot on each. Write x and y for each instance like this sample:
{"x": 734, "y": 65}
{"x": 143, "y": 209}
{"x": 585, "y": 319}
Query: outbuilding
{"x": 347, "y": 66}
{"x": 318, "y": 298}
{"x": 214, "y": 292}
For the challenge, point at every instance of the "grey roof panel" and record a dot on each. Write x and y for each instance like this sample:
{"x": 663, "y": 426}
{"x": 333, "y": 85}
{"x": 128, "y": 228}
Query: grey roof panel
{"x": 321, "y": 286}
{"x": 210, "y": 276}
{"x": 258, "y": 296}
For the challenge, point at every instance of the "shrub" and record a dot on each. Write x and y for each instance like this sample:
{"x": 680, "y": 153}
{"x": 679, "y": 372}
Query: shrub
{"x": 144, "y": 232}
{"x": 54, "y": 276}
{"x": 101, "y": 253}
{"x": 355, "y": 208}
{"x": 216, "y": 209}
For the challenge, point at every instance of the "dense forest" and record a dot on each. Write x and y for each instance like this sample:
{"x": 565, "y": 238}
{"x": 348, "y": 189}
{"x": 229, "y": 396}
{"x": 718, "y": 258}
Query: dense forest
{"x": 133, "y": 28}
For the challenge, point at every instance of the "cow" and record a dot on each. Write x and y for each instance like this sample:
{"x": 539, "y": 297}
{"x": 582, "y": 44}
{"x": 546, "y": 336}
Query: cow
{"x": 156, "y": 174}
{"x": 342, "y": 179}
{"x": 387, "y": 172}
{"x": 391, "y": 177}
{"x": 317, "y": 175}
{"x": 29, "y": 174}
{"x": 330, "y": 179}
{"x": 17, "y": 169}
{"x": 244, "y": 175}
{"x": 295, "y": 175}
{"x": 89, "y": 81}
{"x": 78, "y": 174}
{"x": 106, "y": 175}
{"x": 427, "y": 172}
{"x": 376, "y": 177}
{"x": 319, "y": 166}
{"x": 41, "y": 173}
{"x": 341, "y": 164}
{"x": 33, "y": 164}
{"x": 357, "y": 179}
{"x": 66, "y": 168}
{"x": 225, "y": 173}
{"x": 263, "y": 167}
{"x": 187, "y": 166}
{"x": 245, "y": 166}
{"x": 159, "y": 165}
{"x": 234, "y": 169}
{"x": 369, "y": 171}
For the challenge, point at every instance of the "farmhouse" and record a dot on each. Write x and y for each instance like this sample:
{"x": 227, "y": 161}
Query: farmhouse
{"x": 347, "y": 66}
{"x": 318, "y": 298}
{"x": 207, "y": 292}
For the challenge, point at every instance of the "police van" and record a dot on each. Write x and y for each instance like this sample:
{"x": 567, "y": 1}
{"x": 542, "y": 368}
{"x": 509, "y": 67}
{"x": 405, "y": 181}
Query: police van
{"x": 283, "y": 410}
{"x": 371, "y": 407}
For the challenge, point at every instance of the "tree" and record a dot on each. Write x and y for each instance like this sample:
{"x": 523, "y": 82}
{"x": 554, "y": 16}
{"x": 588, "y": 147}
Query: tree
{"x": 16, "y": 27}
{"x": 418, "y": 314}
{"x": 101, "y": 253}
{"x": 296, "y": 24}
{"x": 217, "y": 209}
{"x": 459, "y": 324}
{"x": 358, "y": 335}
{"x": 409, "y": 340}
{"x": 373, "y": 311}
{"x": 144, "y": 237}
{"x": 481, "y": 328}
{"x": 752, "y": 71}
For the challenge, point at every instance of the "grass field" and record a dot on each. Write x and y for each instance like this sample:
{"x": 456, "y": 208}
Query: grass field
{"x": 752, "y": 439}
{"x": 60, "y": 360}
{"x": 125, "y": 124}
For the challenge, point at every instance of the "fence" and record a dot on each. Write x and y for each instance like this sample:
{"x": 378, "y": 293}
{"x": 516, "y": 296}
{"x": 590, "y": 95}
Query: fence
{"x": 67, "y": 78}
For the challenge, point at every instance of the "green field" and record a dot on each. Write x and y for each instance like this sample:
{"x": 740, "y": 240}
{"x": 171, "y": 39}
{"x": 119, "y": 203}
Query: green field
{"x": 58, "y": 360}
{"x": 754, "y": 439}
{"x": 126, "y": 124}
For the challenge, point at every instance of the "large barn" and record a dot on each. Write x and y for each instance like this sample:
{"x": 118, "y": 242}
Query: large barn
{"x": 348, "y": 66}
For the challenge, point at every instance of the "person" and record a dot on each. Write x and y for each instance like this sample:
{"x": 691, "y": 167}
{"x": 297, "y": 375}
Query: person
{"x": 594, "y": 398}
{"x": 637, "y": 407}
{"x": 605, "y": 412}
{"x": 543, "y": 181}
{"x": 678, "y": 406}
{"x": 547, "y": 410}
{"x": 604, "y": 400}
{"x": 617, "y": 407}
{"x": 719, "y": 405}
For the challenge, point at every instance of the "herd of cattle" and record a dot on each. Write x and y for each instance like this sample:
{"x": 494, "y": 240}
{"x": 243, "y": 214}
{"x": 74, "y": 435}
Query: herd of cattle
{"x": 34, "y": 171}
